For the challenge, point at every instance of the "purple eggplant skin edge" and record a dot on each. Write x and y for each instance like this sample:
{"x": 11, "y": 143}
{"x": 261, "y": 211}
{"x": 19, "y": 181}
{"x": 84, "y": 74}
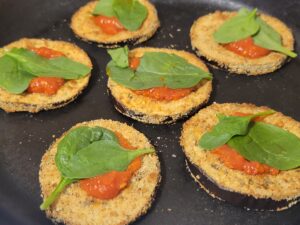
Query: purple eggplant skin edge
{"x": 141, "y": 117}
{"x": 235, "y": 198}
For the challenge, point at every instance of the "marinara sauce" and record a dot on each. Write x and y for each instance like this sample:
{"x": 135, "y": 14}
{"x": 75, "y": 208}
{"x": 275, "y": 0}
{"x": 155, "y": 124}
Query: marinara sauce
{"x": 109, "y": 185}
{"x": 109, "y": 25}
{"x": 46, "y": 85}
{"x": 234, "y": 160}
{"x": 247, "y": 48}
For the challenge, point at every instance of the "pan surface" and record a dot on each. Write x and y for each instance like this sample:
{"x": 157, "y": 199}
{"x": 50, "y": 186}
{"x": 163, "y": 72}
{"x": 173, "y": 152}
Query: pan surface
{"x": 25, "y": 137}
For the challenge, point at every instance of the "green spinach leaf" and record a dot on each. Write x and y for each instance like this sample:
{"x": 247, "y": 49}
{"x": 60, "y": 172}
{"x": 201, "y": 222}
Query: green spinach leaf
{"x": 64, "y": 182}
{"x": 270, "y": 145}
{"x": 100, "y": 157}
{"x": 270, "y": 39}
{"x": 104, "y": 7}
{"x": 268, "y": 30}
{"x": 172, "y": 70}
{"x": 130, "y": 13}
{"x": 123, "y": 76}
{"x": 244, "y": 24}
{"x": 87, "y": 152}
{"x": 78, "y": 139}
{"x": 12, "y": 78}
{"x": 244, "y": 12}
{"x": 158, "y": 69}
{"x": 228, "y": 127}
{"x": 120, "y": 56}
{"x": 238, "y": 27}
{"x": 40, "y": 66}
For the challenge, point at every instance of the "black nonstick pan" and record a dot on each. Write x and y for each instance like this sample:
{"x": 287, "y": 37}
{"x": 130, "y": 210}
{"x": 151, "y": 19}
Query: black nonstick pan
{"x": 24, "y": 137}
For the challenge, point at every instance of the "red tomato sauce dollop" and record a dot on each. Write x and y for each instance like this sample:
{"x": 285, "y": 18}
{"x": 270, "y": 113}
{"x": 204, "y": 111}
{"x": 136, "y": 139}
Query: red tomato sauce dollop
{"x": 247, "y": 48}
{"x": 47, "y": 52}
{"x": 109, "y": 25}
{"x": 233, "y": 160}
{"x": 109, "y": 185}
{"x": 46, "y": 85}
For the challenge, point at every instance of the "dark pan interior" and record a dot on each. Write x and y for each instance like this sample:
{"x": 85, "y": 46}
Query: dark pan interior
{"x": 25, "y": 137}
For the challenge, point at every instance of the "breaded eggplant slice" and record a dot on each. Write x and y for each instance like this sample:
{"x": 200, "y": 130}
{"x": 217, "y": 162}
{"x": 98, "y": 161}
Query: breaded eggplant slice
{"x": 152, "y": 111}
{"x": 257, "y": 192}
{"x": 35, "y": 102}
{"x": 84, "y": 27}
{"x": 74, "y": 206}
{"x": 203, "y": 43}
